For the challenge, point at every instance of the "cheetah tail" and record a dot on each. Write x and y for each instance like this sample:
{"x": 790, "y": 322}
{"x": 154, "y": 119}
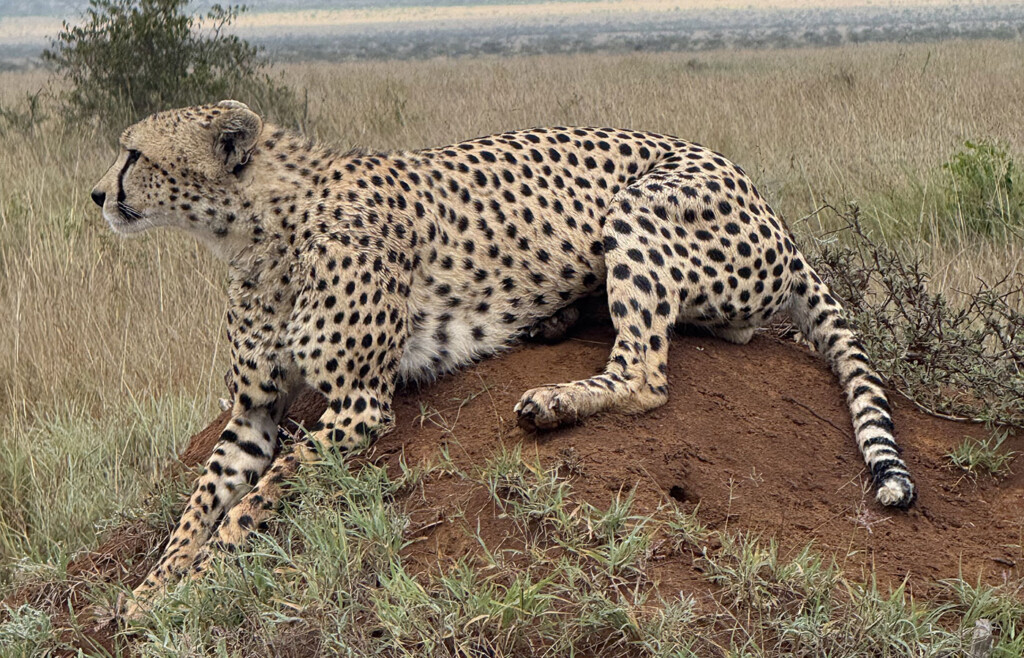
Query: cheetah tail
{"x": 821, "y": 318}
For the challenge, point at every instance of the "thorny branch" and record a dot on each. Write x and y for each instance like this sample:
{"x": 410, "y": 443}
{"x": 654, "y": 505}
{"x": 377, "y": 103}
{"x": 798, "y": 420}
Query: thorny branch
{"x": 961, "y": 361}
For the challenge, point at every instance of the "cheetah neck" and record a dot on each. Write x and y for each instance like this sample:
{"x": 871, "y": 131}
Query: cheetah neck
{"x": 281, "y": 189}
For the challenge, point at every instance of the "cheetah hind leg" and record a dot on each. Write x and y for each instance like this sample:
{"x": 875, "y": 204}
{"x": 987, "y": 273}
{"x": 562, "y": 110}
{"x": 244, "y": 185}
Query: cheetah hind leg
{"x": 634, "y": 380}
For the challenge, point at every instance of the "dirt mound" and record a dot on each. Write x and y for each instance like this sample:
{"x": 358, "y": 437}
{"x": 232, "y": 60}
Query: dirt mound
{"x": 758, "y": 436}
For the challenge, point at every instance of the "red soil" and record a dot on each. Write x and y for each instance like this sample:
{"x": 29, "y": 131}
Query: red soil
{"x": 758, "y": 435}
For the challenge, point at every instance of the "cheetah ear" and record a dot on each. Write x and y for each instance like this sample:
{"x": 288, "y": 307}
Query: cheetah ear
{"x": 236, "y": 130}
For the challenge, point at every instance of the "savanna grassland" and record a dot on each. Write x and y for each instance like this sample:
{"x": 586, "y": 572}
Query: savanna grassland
{"x": 112, "y": 351}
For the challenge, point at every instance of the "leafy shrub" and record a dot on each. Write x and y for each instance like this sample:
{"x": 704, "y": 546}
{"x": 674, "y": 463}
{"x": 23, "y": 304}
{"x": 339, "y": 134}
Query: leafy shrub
{"x": 130, "y": 58}
{"x": 23, "y": 631}
{"x": 983, "y": 192}
{"x": 963, "y": 360}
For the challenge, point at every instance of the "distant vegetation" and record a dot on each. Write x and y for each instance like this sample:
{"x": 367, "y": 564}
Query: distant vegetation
{"x": 62, "y": 7}
{"x": 691, "y": 30}
{"x": 130, "y": 58}
{"x": 624, "y": 30}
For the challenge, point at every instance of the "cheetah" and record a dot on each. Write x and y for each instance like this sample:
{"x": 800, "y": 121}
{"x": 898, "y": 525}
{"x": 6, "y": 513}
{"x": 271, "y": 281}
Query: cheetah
{"x": 354, "y": 272}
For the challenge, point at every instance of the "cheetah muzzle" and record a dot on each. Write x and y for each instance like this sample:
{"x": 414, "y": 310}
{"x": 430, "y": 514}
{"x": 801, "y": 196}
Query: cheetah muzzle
{"x": 352, "y": 271}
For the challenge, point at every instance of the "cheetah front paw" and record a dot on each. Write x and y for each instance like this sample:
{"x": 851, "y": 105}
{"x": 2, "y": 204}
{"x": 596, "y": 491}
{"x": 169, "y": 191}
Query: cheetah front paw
{"x": 132, "y": 609}
{"x": 548, "y": 407}
{"x": 896, "y": 491}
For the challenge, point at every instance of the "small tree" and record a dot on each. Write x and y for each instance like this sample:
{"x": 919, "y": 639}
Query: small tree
{"x": 130, "y": 58}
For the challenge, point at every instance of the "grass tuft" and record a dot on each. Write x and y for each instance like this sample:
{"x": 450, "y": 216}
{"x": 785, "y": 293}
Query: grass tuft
{"x": 983, "y": 456}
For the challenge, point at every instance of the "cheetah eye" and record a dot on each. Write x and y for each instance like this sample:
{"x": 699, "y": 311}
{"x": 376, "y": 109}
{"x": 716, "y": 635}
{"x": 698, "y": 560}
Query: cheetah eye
{"x": 133, "y": 155}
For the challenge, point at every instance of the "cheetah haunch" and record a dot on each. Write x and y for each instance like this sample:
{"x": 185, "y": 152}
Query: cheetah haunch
{"x": 352, "y": 272}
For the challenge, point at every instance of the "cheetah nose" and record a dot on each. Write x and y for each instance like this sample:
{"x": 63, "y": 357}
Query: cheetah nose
{"x": 98, "y": 197}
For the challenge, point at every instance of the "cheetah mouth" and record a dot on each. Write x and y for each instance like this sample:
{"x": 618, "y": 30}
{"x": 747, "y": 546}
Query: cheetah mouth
{"x": 124, "y": 219}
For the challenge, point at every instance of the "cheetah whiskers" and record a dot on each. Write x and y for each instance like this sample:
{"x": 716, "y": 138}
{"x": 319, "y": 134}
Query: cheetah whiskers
{"x": 128, "y": 211}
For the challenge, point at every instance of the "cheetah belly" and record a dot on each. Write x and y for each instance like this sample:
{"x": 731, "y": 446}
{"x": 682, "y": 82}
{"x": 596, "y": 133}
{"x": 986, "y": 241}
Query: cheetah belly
{"x": 442, "y": 340}
{"x": 456, "y": 320}
{"x": 448, "y": 332}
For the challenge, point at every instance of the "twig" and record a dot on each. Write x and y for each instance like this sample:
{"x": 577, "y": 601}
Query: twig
{"x": 815, "y": 414}
{"x": 939, "y": 414}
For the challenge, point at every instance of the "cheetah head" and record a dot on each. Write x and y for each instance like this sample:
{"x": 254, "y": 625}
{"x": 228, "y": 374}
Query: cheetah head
{"x": 184, "y": 168}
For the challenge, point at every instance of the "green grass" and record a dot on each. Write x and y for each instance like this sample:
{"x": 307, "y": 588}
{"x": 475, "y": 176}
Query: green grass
{"x": 983, "y": 456}
{"x": 334, "y": 579}
{"x": 67, "y": 476}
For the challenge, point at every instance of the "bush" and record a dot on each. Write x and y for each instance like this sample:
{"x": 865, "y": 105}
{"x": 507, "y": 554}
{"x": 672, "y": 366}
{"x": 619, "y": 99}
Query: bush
{"x": 25, "y": 120}
{"x": 983, "y": 191}
{"x": 963, "y": 361}
{"x": 130, "y": 58}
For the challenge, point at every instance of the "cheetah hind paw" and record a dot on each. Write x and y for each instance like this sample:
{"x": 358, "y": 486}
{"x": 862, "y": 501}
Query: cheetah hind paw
{"x": 896, "y": 491}
{"x": 554, "y": 328}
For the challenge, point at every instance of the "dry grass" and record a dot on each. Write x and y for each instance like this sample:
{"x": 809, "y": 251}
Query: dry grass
{"x": 100, "y": 326}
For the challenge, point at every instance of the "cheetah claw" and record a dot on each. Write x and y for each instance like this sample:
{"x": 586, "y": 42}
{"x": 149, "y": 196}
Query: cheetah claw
{"x": 131, "y": 610}
{"x": 546, "y": 408}
{"x": 531, "y": 417}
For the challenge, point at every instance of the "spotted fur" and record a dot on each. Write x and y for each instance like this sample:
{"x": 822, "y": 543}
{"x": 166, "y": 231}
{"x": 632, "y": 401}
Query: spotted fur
{"x": 351, "y": 272}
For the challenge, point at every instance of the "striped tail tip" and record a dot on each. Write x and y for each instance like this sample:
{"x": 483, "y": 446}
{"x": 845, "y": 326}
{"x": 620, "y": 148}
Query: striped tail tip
{"x": 896, "y": 490}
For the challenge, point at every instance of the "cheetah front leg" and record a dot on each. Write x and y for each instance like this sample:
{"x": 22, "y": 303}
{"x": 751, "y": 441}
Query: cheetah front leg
{"x": 347, "y": 343}
{"x": 263, "y": 374}
{"x": 245, "y": 449}
{"x": 367, "y": 417}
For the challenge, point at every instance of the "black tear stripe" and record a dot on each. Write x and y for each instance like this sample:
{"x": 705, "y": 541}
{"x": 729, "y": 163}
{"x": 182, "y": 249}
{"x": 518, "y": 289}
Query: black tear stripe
{"x": 133, "y": 157}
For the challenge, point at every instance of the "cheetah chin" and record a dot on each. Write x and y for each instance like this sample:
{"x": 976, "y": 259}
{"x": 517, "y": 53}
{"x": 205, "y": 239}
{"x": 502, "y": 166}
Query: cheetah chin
{"x": 351, "y": 271}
